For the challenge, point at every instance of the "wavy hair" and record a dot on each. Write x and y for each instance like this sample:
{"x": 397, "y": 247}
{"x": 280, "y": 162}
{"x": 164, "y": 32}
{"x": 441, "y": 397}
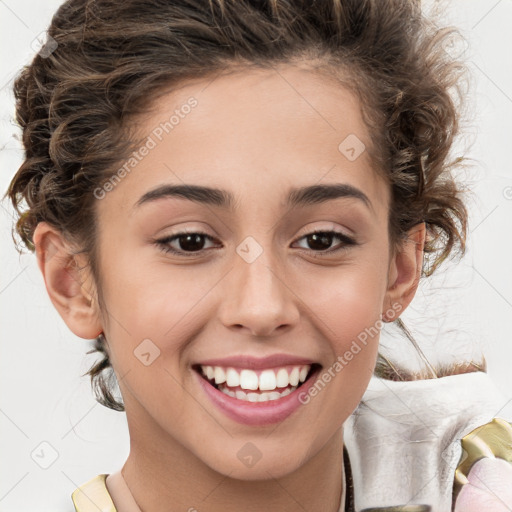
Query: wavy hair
{"x": 112, "y": 59}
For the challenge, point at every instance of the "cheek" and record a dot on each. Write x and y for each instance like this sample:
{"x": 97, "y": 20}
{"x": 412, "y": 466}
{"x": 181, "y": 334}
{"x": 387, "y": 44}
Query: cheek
{"x": 149, "y": 327}
{"x": 154, "y": 313}
{"x": 356, "y": 322}
{"x": 152, "y": 300}
{"x": 349, "y": 300}
{"x": 347, "y": 309}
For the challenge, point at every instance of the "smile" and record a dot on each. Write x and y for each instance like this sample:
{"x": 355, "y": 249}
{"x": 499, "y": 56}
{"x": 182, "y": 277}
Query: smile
{"x": 269, "y": 384}
{"x": 256, "y": 391}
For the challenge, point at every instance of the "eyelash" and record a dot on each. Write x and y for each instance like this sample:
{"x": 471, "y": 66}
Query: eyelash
{"x": 163, "y": 243}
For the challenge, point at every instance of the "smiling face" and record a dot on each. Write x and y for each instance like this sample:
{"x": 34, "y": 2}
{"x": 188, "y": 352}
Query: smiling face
{"x": 250, "y": 294}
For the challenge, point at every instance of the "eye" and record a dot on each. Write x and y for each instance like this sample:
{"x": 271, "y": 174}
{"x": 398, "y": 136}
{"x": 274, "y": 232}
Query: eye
{"x": 188, "y": 242}
{"x": 320, "y": 240}
{"x": 194, "y": 242}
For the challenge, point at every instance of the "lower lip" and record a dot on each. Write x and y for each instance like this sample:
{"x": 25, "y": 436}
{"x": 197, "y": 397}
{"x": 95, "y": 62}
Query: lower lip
{"x": 256, "y": 413}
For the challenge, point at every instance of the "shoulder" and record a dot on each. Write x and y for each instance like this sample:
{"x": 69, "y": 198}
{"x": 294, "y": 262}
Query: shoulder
{"x": 93, "y": 495}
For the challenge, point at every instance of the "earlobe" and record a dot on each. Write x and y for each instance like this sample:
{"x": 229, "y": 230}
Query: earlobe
{"x": 68, "y": 281}
{"x": 405, "y": 272}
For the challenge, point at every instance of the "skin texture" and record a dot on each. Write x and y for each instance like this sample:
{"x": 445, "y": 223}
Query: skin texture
{"x": 256, "y": 134}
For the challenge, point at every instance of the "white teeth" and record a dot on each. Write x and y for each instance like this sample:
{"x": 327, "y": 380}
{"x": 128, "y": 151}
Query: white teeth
{"x": 268, "y": 380}
{"x": 232, "y": 378}
{"x": 294, "y": 376}
{"x": 230, "y": 393}
{"x": 248, "y": 379}
{"x": 256, "y": 397}
{"x": 241, "y": 395}
{"x": 282, "y": 379}
{"x": 220, "y": 376}
{"x": 210, "y": 372}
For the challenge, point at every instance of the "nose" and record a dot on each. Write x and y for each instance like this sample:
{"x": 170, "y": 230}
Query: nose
{"x": 257, "y": 298}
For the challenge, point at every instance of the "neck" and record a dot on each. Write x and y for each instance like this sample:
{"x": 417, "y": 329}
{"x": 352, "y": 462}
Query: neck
{"x": 165, "y": 476}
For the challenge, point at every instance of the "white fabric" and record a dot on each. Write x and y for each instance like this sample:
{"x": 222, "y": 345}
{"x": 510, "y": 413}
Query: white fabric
{"x": 404, "y": 438}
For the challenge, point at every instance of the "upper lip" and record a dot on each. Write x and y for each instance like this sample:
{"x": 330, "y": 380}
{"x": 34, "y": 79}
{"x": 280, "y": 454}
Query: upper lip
{"x": 257, "y": 363}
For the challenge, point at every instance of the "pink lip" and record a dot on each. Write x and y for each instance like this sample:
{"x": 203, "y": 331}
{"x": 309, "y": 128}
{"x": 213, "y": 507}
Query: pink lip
{"x": 256, "y": 413}
{"x": 257, "y": 363}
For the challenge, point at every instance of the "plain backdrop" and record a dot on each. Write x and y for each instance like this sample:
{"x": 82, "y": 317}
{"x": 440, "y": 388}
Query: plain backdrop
{"x": 55, "y": 436}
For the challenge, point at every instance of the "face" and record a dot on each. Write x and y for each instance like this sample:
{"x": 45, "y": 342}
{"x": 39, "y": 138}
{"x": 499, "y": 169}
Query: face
{"x": 233, "y": 328}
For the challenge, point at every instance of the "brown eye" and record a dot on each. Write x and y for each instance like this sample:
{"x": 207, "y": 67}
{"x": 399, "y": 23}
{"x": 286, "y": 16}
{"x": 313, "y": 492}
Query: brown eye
{"x": 321, "y": 241}
{"x": 191, "y": 243}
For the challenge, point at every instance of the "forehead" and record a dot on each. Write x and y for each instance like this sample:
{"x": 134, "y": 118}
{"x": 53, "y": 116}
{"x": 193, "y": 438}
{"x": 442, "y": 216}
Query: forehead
{"x": 254, "y": 132}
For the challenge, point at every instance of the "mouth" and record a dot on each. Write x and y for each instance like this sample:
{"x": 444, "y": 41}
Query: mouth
{"x": 257, "y": 386}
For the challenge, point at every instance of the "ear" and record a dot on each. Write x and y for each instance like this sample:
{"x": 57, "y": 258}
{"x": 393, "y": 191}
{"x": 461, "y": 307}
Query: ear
{"x": 68, "y": 281}
{"x": 404, "y": 273}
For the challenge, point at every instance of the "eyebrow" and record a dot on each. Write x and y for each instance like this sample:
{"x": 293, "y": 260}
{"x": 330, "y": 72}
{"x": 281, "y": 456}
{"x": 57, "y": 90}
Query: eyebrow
{"x": 303, "y": 196}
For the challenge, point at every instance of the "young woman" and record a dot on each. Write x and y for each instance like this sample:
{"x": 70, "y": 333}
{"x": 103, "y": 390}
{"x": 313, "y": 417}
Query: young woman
{"x": 231, "y": 198}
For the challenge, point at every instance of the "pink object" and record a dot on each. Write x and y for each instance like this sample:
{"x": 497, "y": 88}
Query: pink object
{"x": 489, "y": 487}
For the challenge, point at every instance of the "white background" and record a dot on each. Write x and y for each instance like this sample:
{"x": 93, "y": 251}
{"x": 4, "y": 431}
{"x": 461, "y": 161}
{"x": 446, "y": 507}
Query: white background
{"x": 463, "y": 311}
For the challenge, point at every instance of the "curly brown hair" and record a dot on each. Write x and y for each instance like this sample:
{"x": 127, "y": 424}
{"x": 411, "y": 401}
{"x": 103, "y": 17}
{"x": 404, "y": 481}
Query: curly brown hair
{"x": 112, "y": 59}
